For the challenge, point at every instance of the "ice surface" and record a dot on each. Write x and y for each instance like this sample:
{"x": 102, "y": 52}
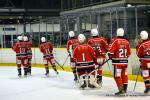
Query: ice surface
{"x": 56, "y": 87}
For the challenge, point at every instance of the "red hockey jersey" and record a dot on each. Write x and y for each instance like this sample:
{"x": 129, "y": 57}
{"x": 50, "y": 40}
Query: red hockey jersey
{"x": 143, "y": 52}
{"x": 84, "y": 56}
{"x": 20, "y": 49}
{"x": 29, "y": 50}
{"x": 112, "y": 40}
{"x": 71, "y": 44}
{"x": 99, "y": 45}
{"x": 47, "y": 49}
{"x": 120, "y": 51}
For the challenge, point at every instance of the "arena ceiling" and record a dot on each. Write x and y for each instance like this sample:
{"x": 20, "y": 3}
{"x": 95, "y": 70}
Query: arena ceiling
{"x": 20, "y": 11}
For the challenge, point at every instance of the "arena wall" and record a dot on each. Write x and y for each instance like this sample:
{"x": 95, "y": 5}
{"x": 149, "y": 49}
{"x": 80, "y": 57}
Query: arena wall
{"x": 42, "y": 27}
{"x": 60, "y": 54}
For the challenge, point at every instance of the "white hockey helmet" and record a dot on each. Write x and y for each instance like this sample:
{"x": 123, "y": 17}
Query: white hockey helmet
{"x": 94, "y": 32}
{"x": 144, "y": 35}
{"x": 81, "y": 38}
{"x": 19, "y": 38}
{"x": 43, "y": 39}
{"x": 120, "y": 32}
{"x": 25, "y": 38}
{"x": 71, "y": 34}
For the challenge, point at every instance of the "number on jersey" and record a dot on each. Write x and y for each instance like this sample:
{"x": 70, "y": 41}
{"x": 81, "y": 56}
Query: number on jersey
{"x": 83, "y": 57}
{"x": 22, "y": 50}
{"x": 47, "y": 51}
{"x": 122, "y": 53}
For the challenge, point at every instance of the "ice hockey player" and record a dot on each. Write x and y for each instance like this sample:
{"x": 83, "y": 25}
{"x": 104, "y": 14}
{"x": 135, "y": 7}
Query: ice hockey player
{"x": 143, "y": 52}
{"x": 29, "y": 53}
{"x": 84, "y": 57}
{"x": 71, "y": 44}
{"x": 100, "y": 47}
{"x": 119, "y": 52}
{"x": 47, "y": 49}
{"x": 21, "y": 50}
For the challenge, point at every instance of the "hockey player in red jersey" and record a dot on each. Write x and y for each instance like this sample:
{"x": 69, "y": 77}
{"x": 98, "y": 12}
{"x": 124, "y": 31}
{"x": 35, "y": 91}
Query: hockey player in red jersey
{"x": 29, "y": 53}
{"x": 20, "y": 50}
{"x": 47, "y": 49}
{"x": 84, "y": 56}
{"x": 119, "y": 52}
{"x": 71, "y": 44}
{"x": 100, "y": 47}
{"x": 143, "y": 52}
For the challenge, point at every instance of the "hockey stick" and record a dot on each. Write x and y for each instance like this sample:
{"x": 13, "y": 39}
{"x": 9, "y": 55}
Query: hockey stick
{"x": 59, "y": 64}
{"x": 65, "y": 61}
{"x": 99, "y": 66}
{"x": 136, "y": 79}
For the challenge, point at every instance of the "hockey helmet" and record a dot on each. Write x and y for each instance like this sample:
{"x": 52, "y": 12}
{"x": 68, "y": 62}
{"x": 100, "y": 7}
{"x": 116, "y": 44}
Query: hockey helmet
{"x": 120, "y": 32}
{"x": 19, "y": 38}
{"x": 71, "y": 34}
{"x": 43, "y": 39}
{"x": 25, "y": 38}
{"x": 81, "y": 38}
{"x": 94, "y": 32}
{"x": 144, "y": 35}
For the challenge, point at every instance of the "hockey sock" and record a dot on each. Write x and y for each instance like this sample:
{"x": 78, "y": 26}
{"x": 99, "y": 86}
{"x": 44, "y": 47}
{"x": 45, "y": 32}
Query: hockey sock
{"x": 118, "y": 81}
{"x": 47, "y": 70}
{"x": 25, "y": 70}
{"x": 147, "y": 83}
{"x": 29, "y": 69}
{"x": 125, "y": 86}
{"x": 54, "y": 67}
{"x": 99, "y": 78}
{"x": 74, "y": 73}
{"x": 19, "y": 71}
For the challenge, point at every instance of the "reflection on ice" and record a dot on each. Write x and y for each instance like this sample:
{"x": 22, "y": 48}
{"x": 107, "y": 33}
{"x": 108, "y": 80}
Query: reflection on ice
{"x": 56, "y": 87}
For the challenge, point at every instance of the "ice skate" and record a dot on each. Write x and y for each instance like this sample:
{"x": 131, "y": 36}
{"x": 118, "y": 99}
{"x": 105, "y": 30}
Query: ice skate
{"x": 29, "y": 71}
{"x": 99, "y": 80}
{"x": 121, "y": 91}
{"x": 57, "y": 72}
{"x": 90, "y": 85}
{"x": 147, "y": 91}
{"x": 47, "y": 74}
{"x": 83, "y": 86}
{"x": 19, "y": 75}
{"x": 19, "y": 72}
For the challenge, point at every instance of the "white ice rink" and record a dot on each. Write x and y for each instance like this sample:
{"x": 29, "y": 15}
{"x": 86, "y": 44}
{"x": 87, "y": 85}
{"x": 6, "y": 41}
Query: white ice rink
{"x": 61, "y": 87}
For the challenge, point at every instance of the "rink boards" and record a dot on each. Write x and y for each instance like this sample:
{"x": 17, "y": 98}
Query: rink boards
{"x": 8, "y": 58}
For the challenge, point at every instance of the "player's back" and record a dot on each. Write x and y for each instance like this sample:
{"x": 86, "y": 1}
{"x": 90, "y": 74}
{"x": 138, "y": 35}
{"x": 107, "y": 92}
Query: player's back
{"x": 20, "y": 49}
{"x": 144, "y": 49}
{"x": 84, "y": 53}
{"x": 73, "y": 43}
{"x": 46, "y": 48}
{"x": 98, "y": 44}
{"x": 121, "y": 48}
